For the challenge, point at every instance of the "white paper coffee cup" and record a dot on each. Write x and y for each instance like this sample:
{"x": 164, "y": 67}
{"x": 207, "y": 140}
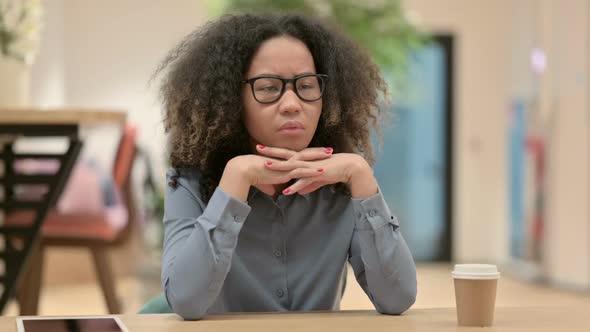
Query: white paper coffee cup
{"x": 475, "y": 293}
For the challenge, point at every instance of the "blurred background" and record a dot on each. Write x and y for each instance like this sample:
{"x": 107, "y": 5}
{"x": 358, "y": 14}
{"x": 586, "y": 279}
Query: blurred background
{"x": 485, "y": 159}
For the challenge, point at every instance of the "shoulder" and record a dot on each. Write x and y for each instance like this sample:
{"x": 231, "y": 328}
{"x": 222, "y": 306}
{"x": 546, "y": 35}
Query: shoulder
{"x": 187, "y": 178}
{"x": 191, "y": 175}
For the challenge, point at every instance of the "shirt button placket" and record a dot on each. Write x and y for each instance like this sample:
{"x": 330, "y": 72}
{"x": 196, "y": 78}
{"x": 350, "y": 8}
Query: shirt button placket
{"x": 279, "y": 253}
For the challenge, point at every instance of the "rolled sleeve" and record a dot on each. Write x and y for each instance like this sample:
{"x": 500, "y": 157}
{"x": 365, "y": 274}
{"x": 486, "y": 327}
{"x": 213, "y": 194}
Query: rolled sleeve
{"x": 226, "y": 212}
{"x": 373, "y": 213}
{"x": 380, "y": 257}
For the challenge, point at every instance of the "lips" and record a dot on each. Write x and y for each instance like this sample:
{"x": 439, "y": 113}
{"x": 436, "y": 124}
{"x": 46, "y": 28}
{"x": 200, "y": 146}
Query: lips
{"x": 291, "y": 125}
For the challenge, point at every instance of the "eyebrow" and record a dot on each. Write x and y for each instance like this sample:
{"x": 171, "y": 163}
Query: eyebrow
{"x": 278, "y": 76}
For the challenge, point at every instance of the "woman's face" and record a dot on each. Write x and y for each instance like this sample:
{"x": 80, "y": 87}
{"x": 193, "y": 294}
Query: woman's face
{"x": 289, "y": 122}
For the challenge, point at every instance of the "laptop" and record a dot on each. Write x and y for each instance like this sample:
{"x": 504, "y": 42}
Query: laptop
{"x": 70, "y": 324}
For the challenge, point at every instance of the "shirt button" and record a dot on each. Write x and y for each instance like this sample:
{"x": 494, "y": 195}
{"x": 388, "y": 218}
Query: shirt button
{"x": 278, "y": 253}
{"x": 237, "y": 218}
{"x": 372, "y": 213}
{"x": 280, "y": 292}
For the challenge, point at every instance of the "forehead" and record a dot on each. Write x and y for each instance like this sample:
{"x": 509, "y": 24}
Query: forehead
{"x": 284, "y": 56}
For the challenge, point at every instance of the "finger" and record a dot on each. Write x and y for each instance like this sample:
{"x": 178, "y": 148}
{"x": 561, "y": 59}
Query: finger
{"x": 295, "y": 187}
{"x": 289, "y": 165}
{"x": 279, "y": 153}
{"x": 305, "y": 173}
{"x": 312, "y": 187}
{"x": 307, "y": 154}
{"x": 311, "y": 154}
{"x": 280, "y": 177}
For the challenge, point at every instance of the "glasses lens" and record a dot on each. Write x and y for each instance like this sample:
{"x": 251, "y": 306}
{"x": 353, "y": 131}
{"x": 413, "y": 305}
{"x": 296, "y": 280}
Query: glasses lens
{"x": 310, "y": 87}
{"x": 267, "y": 89}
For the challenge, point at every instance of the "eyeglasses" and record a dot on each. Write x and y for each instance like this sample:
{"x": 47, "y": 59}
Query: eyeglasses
{"x": 267, "y": 89}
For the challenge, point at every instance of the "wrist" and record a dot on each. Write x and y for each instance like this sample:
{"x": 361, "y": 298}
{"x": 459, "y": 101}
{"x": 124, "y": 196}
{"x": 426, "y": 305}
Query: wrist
{"x": 238, "y": 167}
{"x": 361, "y": 182}
{"x": 235, "y": 180}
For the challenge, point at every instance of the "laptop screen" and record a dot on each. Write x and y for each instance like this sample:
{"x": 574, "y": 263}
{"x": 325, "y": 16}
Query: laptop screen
{"x": 74, "y": 324}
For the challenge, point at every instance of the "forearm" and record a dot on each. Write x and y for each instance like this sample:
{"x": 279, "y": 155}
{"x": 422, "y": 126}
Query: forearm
{"x": 190, "y": 272}
{"x": 390, "y": 272}
{"x": 381, "y": 257}
{"x": 197, "y": 254}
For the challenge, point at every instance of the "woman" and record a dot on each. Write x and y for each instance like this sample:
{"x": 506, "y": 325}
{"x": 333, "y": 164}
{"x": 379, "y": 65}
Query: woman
{"x": 271, "y": 190}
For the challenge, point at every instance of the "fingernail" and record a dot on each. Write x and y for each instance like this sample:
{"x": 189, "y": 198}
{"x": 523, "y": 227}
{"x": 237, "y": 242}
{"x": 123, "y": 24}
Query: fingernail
{"x": 320, "y": 169}
{"x": 286, "y": 191}
{"x": 268, "y": 162}
{"x": 329, "y": 150}
{"x": 260, "y": 146}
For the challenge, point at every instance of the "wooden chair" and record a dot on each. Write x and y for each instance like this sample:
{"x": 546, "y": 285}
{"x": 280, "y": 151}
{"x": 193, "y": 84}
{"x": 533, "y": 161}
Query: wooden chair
{"x": 157, "y": 305}
{"x": 85, "y": 231}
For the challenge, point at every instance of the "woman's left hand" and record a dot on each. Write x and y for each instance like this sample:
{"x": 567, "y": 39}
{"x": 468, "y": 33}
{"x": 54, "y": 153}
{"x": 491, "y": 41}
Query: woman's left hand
{"x": 348, "y": 168}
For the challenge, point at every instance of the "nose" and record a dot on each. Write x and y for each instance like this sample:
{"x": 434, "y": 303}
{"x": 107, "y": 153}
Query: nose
{"x": 289, "y": 102}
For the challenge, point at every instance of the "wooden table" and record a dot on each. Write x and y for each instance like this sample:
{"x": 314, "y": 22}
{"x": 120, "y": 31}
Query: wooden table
{"x": 17, "y": 242}
{"x": 62, "y": 116}
{"x": 562, "y": 319}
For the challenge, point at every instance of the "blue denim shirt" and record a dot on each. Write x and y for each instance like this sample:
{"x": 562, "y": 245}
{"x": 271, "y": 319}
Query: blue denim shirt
{"x": 279, "y": 255}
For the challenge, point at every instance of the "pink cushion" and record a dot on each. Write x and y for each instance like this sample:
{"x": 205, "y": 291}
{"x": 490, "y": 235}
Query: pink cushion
{"x": 83, "y": 193}
{"x": 82, "y": 196}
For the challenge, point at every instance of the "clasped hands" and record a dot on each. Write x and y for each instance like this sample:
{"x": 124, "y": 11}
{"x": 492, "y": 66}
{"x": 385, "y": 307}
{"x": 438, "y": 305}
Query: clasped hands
{"x": 312, "y": 168}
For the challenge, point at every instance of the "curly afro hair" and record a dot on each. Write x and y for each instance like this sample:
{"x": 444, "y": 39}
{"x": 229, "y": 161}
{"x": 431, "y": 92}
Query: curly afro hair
{"x": 202, "y": 84}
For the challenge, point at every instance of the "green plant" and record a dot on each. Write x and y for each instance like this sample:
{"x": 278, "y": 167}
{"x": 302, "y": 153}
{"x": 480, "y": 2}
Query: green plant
{"x": 20, "y": 23}
{"x": 380, "y": 26}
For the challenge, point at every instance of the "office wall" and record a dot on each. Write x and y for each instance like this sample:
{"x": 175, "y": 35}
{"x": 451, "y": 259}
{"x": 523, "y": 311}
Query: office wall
{"x": 112, "y": 49}
{"x": 565, "y": 102}
{"x": 47, "y": 73}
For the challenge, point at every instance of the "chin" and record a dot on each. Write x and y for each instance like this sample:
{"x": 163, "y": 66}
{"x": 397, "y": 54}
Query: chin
{"x": 295, "y": 146}
{"x": 291, "y": 143}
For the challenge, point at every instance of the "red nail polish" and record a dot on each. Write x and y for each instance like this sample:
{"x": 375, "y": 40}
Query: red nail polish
{"x": 286, "y": 191}
{"x": 329, "y": 150}
{"x": 268, "y": 162}
{"x": 320, "y": 169}
{"x": 260, "y": 146}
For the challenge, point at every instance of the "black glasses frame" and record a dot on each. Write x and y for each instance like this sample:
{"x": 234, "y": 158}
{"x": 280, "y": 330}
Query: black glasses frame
{"x": 321, "y": 79}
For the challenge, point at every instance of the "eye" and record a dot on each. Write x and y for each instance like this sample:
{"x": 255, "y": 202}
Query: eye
{"x": 307, "y": 83}
{"x": 268, "y": 85}
{"x": 267, "y": 88}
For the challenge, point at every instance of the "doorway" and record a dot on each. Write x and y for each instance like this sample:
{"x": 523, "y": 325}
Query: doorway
{"x": 414, "y": 165}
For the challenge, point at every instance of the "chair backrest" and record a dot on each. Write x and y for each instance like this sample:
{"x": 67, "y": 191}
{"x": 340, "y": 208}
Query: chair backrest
{"x": 122, "y": 167}
{"x": 125, "y": 155}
